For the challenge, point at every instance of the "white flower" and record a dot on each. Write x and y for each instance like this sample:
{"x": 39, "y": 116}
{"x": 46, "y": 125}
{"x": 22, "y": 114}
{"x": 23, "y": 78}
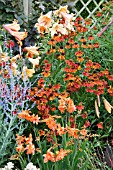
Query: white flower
{"x": 30, "y": 166}
{"x": 34, "y": 61}
{"x": 58, "y": 28}
{"x": 9, "y": 166}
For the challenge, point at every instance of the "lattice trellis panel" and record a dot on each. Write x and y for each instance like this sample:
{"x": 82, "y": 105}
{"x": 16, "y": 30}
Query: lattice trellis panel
{"x": 85, "y": 8}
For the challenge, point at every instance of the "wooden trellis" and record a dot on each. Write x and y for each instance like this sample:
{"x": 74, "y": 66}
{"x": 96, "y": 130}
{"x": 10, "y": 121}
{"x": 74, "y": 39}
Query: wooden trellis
{"x": 85, "y": 8}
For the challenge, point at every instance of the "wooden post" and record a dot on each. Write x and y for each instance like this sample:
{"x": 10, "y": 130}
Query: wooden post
{"x": 27, "y": 7}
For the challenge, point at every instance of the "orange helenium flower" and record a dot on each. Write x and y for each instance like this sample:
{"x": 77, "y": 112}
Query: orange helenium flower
{"x": 79, "y": 53}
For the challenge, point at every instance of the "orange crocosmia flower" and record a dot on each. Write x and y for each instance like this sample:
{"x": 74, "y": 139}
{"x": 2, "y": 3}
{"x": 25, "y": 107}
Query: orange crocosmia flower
{"x": 51, "y": 123}
{"x": 24, "y": 113}
{"x": 61, "y": 154}
{"x": 32, "y": 118}
{"x": 20, "y": 139}
{"x": 83, "y": 132}
{"x": 49, "y": 156}
{"x": 62, "y": 105}
{"x": 79, "y": 53}
{"x": 20, "y": 148}
{"x": 100, "y": 125}
{"x": 60, "y": 130}
{"x": 29, "y": 139}
{"x": 70, "y": 105}
{"x": 41, "y": 132}
{"x": 72, "y": 132}
{"x": 30, "y": 149}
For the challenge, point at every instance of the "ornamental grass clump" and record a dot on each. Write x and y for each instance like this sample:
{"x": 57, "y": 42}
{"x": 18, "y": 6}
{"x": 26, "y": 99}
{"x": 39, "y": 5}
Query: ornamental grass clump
{"x": 67, "y": 106}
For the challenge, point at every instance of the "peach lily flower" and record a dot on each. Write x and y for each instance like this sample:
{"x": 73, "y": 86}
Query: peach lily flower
{"x": 68, "y": 20}
{"x": 34, "y": 61}
{"x": 44, "y": 22}
{"x": 58, "y": 28}
{"x": 32, "y": 49}
{"x": 19, "y": 35}
{"x": 13, "y": 30}
{"x": 27, "y": 72}
{"x": 12, "y": 27}
{"x": 61, "y": 9}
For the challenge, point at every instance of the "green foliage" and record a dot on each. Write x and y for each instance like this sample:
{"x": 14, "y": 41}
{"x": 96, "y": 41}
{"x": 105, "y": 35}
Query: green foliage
{"x": 10, "y": 10}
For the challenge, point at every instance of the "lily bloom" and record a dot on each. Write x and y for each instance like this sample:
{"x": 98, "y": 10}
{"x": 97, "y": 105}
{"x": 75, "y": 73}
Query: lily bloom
{"x": 19, "y": 35}
{"x": 58, "y": 28}
{"x": 13, "y": 30}
{"x": 12, "y": 27}
{"x": 27, "y": 72}
{"x": 68, "y": 20}
{"x": 44, "y": 22}
{"x": 61, "y": 9}
{"x": 34, "y": 61}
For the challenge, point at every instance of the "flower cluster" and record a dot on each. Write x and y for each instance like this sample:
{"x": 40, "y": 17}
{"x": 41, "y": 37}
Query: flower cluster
{"x": 48, "y": 23}
{"x": 59, "y": 155}
{"x": 67, "y": 94}
{"x": 25, "y": 144}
